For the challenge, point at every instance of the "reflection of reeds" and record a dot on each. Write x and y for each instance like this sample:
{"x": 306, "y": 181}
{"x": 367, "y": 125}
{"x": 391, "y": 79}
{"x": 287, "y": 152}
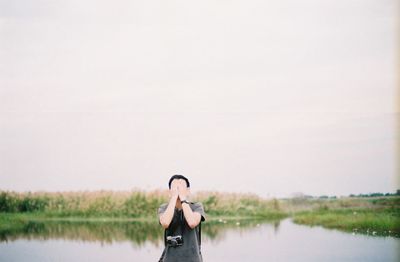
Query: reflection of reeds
{"x": 108, "y": 232}
{"x": 105, "y": 232}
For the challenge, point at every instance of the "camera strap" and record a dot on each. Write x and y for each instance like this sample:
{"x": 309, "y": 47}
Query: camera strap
{"x": 200, "y": 235}
{"x": 182, "y": 223}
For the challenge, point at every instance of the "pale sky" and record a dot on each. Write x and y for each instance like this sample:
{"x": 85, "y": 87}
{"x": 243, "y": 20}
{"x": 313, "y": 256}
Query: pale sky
{"x": 269, "y": 97}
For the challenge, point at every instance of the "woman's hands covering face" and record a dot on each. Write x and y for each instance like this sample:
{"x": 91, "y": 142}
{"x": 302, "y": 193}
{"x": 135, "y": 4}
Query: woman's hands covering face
{"x": 182, "y": 189}
{"x": 174, "y": 188}
{"x": 179, "y": 189}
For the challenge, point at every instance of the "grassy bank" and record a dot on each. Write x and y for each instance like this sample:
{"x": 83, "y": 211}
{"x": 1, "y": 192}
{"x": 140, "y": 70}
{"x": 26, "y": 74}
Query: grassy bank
{"x": 133, "y": 204}
{"x": 374, "y": 222}
{"x": 376, "y": 216}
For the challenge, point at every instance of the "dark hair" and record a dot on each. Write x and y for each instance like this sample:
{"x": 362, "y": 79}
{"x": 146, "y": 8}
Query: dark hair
{"x": 178, "y": 177}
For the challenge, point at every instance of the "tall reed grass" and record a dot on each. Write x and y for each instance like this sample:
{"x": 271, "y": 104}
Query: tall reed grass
{"x": 134, "y": 203}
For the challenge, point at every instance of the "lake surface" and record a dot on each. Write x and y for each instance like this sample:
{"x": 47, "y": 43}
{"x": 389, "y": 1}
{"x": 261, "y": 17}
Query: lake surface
{"x": 229, "y": 241}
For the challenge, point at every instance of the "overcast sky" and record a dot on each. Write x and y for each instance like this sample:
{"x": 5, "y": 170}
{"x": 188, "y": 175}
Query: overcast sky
{"x": 270, "y": 97}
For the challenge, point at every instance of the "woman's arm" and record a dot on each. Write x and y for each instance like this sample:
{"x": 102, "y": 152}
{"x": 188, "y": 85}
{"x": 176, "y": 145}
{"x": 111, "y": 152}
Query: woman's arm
{"x": 166, "y": 217}
{"x": 192, "y": 218}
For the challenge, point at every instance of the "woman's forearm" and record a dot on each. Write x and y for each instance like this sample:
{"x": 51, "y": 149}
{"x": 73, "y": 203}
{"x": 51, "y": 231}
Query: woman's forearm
{"x": 192, "y": 218}
{"x": 166, "y": 217}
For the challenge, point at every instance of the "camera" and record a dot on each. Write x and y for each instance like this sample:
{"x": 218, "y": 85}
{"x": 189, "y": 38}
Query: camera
{"x": 174, "y": 241}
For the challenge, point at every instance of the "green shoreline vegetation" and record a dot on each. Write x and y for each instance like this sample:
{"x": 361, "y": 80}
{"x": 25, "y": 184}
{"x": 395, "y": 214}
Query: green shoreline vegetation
{"x": 378, "y": 215}
{"x": 382, "y": 222}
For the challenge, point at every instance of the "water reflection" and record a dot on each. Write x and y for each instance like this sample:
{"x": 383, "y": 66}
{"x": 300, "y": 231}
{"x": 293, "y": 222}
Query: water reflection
{"x": 217, "y": 231}
{"x": 105, "y": 232}
{"x": 234, "y": 241}
{"x": 108, "y": 232}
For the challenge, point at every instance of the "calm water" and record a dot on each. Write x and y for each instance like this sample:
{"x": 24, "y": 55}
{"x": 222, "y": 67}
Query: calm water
{"x": 248, "y": 241}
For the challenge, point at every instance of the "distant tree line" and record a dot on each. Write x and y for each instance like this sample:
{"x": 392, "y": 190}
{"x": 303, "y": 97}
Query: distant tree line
{"x": 397, "y": 193}
{"x": 300, "y": 195}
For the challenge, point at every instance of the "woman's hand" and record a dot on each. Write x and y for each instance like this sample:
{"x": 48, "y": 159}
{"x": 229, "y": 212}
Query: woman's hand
{"x": 182, "y": 189}
{"x": 175, "y": 190}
